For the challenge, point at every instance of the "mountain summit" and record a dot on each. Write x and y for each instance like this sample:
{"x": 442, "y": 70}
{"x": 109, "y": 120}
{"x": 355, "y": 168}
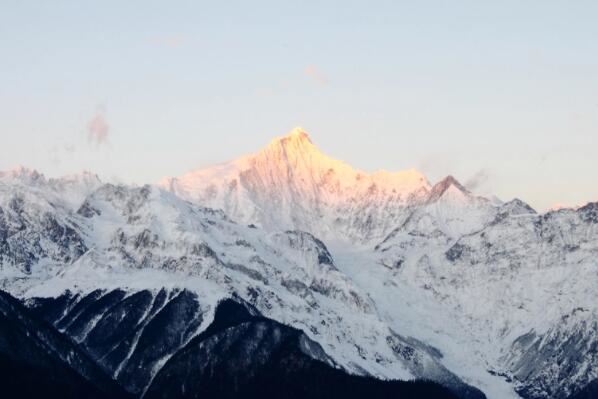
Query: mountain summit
{"x": 291, "y": 184}
{"x": 447, "y": 184}
{"x": 297, "y": 135}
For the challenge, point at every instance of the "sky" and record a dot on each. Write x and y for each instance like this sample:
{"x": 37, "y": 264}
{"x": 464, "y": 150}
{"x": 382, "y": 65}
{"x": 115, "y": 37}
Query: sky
{"x": 502, "y": 95}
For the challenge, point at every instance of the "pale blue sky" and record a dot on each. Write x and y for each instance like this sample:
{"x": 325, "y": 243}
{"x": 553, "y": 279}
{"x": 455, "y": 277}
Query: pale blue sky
{"x": 503, "y": 90}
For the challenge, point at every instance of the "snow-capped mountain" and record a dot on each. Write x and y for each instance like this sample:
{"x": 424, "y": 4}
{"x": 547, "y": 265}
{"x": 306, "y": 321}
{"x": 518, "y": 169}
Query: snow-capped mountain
{"x": 290, "y": 184}
{"x": 122, "y": 240}
{"x": 523, "y": 283}
{"x": 385, "y": 274}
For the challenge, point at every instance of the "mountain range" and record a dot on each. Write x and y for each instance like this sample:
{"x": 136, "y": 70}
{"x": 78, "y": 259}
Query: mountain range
{"x": 290, "y": 271}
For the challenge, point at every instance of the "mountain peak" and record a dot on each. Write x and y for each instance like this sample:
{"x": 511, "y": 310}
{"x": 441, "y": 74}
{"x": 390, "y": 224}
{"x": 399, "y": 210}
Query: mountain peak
{"x": 450, "y": 180}
{"x": 22, "y": 173}
{"x": 296, "y": 138}
{"x": 306, "y": 186}
{"x": 517, "y": 207}
{"x": 444, "y": 185}
{"x": 298, "y": 133}
{"x": 81, "y": 177}
{"x": 295, "y": 150}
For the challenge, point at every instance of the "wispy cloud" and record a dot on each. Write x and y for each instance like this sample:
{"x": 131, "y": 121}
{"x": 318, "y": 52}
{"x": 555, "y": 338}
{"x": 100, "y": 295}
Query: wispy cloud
{"x": 479, "y": 179}
{"x": 98, "y": 128}
{"x": 316, "y": 75}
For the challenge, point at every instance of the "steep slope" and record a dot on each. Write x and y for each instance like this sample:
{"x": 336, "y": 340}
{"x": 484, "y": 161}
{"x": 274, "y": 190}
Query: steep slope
{"x": 139, "y": 238}
{"x": 239, "y": 354}
{"x": 558, "y": 362}
{"x": 449, "y": 213}
{"x": 291, "y": 185}
{"x": 36, "y": 225}
{"x": 71, "y": 189}
{"x": 127, "y": 334}
{"x": 590, "y": 391}
{"x": 524, "y": 284}
{"x": 242, "y": 354}
{"x": 37, "y": 361}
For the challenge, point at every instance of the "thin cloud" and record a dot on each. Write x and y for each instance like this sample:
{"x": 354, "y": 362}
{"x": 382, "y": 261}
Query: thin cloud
{"x": 315, "y": 74}
{"x": 98, "y": 129}
{"x": 480, "y": 179}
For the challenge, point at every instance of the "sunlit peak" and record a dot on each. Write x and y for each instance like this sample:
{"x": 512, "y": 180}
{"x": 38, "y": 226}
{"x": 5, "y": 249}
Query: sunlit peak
{"x": 298, "y": 131}
{"x": 297, "y": 134}
{"x": 296, "y": 139}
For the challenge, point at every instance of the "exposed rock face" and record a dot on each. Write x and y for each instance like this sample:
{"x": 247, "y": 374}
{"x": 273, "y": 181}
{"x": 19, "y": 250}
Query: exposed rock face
{"x": 29, "y": 235}
{"x": 128, "y": 335}
{"x": 243, "y": 354}
{"x": 524, "y": 281}
{"x": 240, "y": 354}
{"x": 37, "y": 361}
{"x": 539, "y": 362}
